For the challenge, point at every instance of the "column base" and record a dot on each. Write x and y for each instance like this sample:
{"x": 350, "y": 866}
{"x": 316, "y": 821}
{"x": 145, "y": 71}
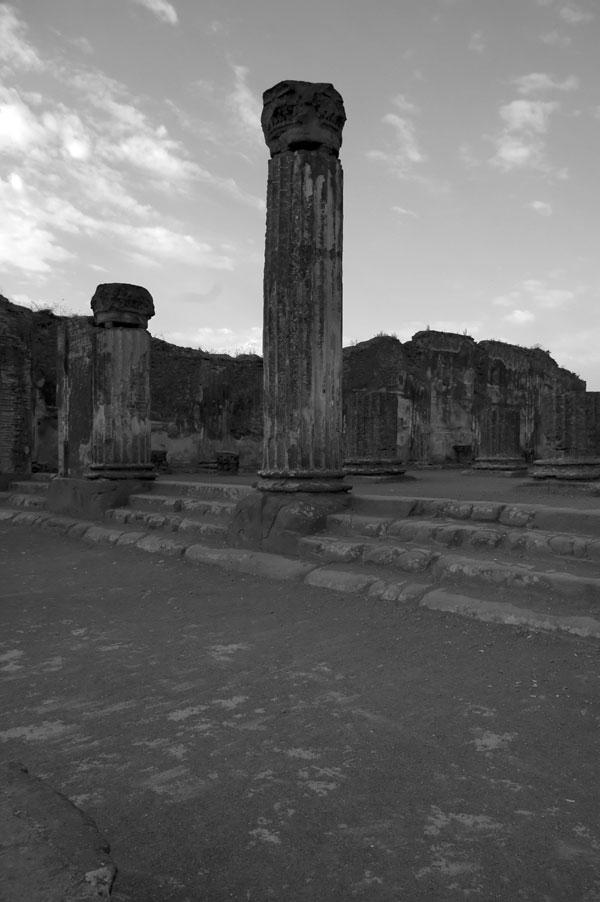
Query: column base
{"x": 375, "y": 467}
{"x": 575, "y": 468}
{"x": 309, "y": 481}
{"x": 501, "y": 463}
{"x": 120, "y": 471}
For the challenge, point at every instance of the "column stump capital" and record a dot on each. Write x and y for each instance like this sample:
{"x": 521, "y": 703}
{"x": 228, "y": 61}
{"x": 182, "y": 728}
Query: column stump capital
{"x": 120, "y": 304}
{"x": 303, "y": 115}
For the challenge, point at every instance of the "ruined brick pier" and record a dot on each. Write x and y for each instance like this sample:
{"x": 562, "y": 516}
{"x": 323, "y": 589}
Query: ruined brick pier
{"x": 302, "y": 335}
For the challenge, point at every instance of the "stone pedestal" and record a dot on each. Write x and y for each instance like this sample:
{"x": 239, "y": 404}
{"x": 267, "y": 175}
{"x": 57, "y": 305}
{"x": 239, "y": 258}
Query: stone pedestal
{"x": 302, "y": 336}
{"x": 571, "y": 426}
{"x": 120, "y": 444}
{"x": 500, "y": 445}
{"x": 371, "y": 431}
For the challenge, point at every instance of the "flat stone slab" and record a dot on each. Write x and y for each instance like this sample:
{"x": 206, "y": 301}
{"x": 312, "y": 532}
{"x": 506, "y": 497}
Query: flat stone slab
{"x": 51, "y": 850}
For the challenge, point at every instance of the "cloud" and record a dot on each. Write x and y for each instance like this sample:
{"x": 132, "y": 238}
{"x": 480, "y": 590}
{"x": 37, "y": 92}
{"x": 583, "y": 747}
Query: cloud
{"x": 245, "y": 106}
{"x": 15, "y": 51}
{"x": 541, "y": 207}
{"x": 220, "y": 340}
{"x": 476, "y": 42}
{"x": 404, "y": 153}
{"x": 165, "y": 11}
{"x": 402, "y": 211}
{"x": 527, "y": 115}
{"x": 521, "y": 144}
{"x": 534, "y": 293}
{"x": 520, "y": 317}
{"x": 574, "y": 15}
{"x": 26, "y": 243}
{"x": 538, "y": 82}
{"x": 555, "y": 39}
{"x": 157, "y": 243}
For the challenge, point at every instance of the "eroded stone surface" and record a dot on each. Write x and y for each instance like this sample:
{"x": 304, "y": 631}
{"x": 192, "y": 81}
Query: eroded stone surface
{"x": 302, "y": 115}
{"x": 120, "y": 304}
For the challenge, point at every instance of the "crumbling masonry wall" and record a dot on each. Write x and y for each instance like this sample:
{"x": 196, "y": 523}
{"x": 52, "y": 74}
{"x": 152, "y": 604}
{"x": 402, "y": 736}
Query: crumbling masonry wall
{"x": 423, "y": 401}
{"x": 28, "y": 415}
{"x": 205, "y": 402}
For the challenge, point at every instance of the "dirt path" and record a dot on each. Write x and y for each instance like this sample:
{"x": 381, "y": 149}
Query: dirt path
{"x": 240, "y": 739}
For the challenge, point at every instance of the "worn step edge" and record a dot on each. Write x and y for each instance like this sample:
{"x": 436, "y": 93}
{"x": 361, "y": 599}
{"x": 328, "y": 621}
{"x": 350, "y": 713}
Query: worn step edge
{"x": 509, "y": 614}
{"x": 533, "y": 516}
{"x": 444, "y": 532}
{"x": 176, "y": 503}
{"x": 168, "y": 522}
{"x": 345, "y": 580}
{"x": 330, "y": 549}
{"x": 26, "y": 499}
{"x": 203, "y": 489}
{"x": 29, "y": 487}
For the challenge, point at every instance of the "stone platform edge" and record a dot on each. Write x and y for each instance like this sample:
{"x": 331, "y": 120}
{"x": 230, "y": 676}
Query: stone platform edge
{"x": 344, "y": 578}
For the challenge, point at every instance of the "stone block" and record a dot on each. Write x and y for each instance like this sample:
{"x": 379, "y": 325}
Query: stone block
{"x": 89, "y": 499}
{"x": 277, "y": 521}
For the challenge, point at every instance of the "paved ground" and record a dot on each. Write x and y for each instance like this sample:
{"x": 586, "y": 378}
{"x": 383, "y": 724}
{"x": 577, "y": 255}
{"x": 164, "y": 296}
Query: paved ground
{"x": 240, "y": 739}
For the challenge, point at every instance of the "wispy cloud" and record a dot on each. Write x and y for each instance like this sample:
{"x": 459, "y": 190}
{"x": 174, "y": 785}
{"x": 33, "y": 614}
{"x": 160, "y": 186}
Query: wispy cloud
{"x": 80, "y": 168}
{"x": 245, "y": 106}
{"x": 541, "y": 82}
{"x": 15, "y": 50}
{"x": 220, "y": 340}
{"x": 521, "y": 143}
{"x": 574, "y": 15}
{"x": 555, "y": 39}
{"x": 520, "y": 317}
{"x": 534, "y": 293}
{"x": 541, "y": 207}
{"x": 403, "y": 152}
{"x": 476, "y": 42}
{"x": 402, "y": 211}
{"x": 163, "y": 10}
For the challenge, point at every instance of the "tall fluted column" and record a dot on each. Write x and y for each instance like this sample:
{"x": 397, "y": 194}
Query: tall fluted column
{"x": 302, "y": 334}
{"x": 120, "y": 446}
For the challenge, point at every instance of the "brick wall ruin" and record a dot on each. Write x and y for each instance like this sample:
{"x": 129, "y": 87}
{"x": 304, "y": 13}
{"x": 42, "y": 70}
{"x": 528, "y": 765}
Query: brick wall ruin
{"x": 28, "y": 417}
{"x": 436, "y": 399}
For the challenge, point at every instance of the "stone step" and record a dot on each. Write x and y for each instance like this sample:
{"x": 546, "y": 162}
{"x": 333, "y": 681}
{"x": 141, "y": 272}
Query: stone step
{"x": 167, "y": 523}
{"x": 30, "y": 487}
{"x": 217, "y": 510}
{"x": 224, "y": 491}
{"x": 529, "y": 516}
{"x": 25, "y": 499}
{"x": 457, "y": 534}
{"x": 578, "y": 582}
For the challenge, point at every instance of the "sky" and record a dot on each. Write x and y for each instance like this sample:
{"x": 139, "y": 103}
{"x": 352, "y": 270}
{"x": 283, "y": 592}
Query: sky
{"x": 131, "y": 151}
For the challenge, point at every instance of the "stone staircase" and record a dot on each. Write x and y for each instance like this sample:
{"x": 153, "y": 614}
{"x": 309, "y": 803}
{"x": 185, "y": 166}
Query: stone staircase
{"x": 545, "y": 558}
{"x": 527, "y": 563}
{"x": 195, "y": 511}
{"x": 28, "y": 494}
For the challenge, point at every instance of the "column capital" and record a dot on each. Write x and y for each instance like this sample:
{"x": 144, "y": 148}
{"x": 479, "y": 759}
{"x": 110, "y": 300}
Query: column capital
{"x": 120, "y": 304}
{"x": 303, "y": 115}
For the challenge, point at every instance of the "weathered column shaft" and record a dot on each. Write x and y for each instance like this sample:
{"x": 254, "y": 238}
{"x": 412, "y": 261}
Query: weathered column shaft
{"x": 121, "y": 385}
{"x": 303, "y": 316}
{"x": 302, "y": 335}
{"x": 120, "y": 447}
